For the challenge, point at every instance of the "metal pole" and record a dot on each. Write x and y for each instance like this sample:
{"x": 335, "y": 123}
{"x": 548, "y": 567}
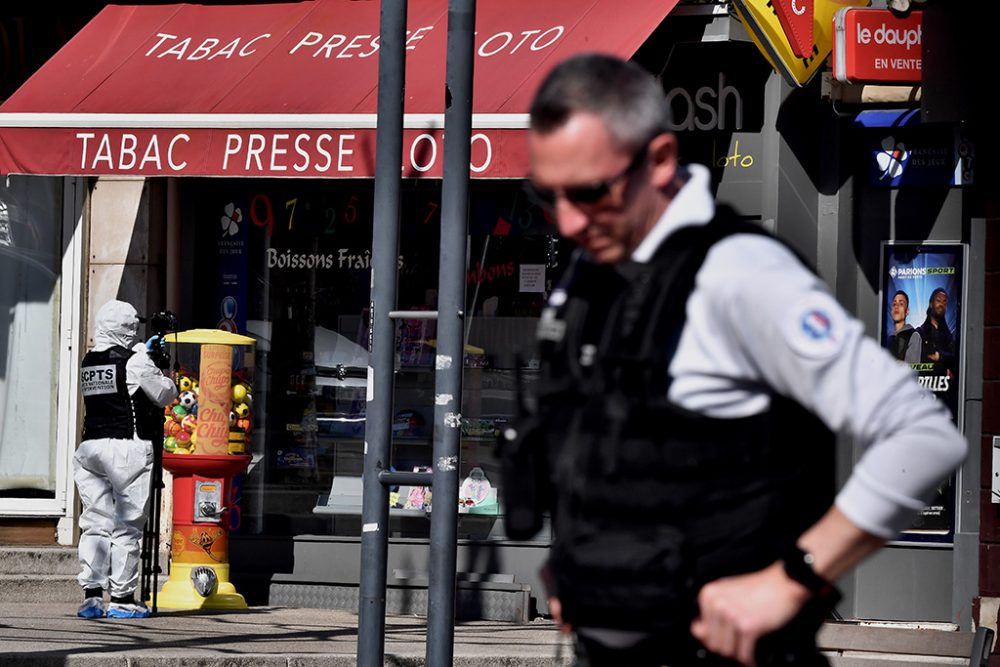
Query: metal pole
{"x": 381, "y": 338}
{"x": 451, "y": 306}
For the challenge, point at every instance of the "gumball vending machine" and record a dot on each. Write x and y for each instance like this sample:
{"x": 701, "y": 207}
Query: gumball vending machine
{"x": 206, "y": 438}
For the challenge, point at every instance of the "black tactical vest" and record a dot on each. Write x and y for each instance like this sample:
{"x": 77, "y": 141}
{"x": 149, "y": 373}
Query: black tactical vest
{"x": 110, "y": 411}
{"x": 650, "y": 501}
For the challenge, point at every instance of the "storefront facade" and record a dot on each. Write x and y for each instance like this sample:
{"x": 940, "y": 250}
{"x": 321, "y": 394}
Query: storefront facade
{"x": 267, "y": 231}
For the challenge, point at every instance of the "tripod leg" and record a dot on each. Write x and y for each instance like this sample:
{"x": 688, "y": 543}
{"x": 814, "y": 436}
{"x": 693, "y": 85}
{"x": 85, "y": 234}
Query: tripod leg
{"x": 144, "y": 562}
{"x": 154, "y": 520}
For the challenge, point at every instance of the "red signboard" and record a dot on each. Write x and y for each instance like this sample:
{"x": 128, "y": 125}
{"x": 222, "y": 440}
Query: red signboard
{"x": 877, "y": 46}
{"x": 290, "y": 89}
{"x": 306, "y": 153}
{"x": 796, "y": 18}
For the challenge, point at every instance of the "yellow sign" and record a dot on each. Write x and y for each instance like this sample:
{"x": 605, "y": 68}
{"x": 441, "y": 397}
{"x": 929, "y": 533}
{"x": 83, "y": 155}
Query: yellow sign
{"x": 761, "y": 22}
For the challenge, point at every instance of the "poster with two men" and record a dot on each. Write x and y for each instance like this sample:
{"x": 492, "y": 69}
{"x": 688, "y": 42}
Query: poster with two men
{"x": 921, "y": 324}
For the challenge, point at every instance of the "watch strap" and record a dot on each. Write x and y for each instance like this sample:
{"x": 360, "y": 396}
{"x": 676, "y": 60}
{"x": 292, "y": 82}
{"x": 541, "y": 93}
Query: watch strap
{"x": 798, "y": 565}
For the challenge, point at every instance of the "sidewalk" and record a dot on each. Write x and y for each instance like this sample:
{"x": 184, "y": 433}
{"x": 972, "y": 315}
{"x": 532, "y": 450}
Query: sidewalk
{"x": 50, "y": 635}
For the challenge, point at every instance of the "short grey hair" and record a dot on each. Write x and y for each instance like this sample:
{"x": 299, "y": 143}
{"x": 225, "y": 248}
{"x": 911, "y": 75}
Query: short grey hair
{"x": 627, "y": 98}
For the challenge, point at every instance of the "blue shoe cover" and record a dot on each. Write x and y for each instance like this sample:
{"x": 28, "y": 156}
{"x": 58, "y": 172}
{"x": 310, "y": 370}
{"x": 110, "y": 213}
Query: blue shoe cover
{"x": 132, "y": 610}
{"x": 91, "y": 608}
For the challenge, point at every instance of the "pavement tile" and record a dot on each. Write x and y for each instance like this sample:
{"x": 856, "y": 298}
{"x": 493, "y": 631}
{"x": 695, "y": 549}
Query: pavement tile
{"x": 50, "y": 635}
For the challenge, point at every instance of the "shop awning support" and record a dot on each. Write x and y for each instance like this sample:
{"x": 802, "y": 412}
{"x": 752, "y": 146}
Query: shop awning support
{"x": 382, "y": 336}
{"x": 449, "y": 363}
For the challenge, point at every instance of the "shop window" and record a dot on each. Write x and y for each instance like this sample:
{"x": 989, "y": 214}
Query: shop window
{"x": 288, "y": 262}
{"x": 30, "y": 265}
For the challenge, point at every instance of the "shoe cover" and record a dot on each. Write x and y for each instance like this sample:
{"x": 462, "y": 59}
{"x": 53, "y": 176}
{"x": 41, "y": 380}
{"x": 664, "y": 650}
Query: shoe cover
{"x": 127, "y": 610}
{"x": 91, "y": 608}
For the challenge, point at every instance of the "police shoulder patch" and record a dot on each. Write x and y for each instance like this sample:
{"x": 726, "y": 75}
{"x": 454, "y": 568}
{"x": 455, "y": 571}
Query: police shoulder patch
{"x": 815, "y": 327}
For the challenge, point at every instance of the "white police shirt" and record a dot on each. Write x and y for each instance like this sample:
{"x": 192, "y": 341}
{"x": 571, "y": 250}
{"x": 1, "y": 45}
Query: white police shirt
{"x": 759, "y": 322}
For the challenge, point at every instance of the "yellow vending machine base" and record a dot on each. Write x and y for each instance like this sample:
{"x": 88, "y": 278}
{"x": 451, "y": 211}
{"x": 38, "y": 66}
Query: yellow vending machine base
{"x": 179, "y": 592}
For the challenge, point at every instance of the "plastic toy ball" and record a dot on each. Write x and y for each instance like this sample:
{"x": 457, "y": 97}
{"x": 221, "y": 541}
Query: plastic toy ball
{"x": 184, "y": 383}
{"x": 239, "y": 393}
{"x": 179, "y": 412}
{"x": 243, "y": 424}
{"x": 171, "y": 428}
{"x": 170, "y": 444}
{"x": 189, "y": 423}
{"x": 183, "y": 437}
{"x": 232, "y": 419}
{"x": 241, "y": 410}
{"x": 187, "y": 399}
{"x": 195, "y": 387}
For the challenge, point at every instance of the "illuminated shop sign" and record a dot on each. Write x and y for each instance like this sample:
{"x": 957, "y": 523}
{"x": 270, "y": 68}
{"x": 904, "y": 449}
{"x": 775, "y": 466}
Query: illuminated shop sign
{"x": 875, "y": 45}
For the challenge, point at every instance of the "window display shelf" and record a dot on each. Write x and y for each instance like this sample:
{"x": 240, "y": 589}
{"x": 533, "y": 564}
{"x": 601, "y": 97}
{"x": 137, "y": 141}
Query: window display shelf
{"x": 346, "y": 494}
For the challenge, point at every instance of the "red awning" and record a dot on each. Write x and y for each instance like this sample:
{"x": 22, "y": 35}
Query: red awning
{"x": 290, "y": 89}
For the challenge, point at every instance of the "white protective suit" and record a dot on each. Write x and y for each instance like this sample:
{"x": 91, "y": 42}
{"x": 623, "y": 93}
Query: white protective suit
{"x": 113, "y": 475}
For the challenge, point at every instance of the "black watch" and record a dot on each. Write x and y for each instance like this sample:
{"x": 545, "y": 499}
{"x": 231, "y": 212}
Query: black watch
{"x": 798, "y": 565}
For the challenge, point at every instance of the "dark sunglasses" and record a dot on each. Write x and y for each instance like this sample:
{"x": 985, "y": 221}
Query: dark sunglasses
{"x": 584, "y": 195}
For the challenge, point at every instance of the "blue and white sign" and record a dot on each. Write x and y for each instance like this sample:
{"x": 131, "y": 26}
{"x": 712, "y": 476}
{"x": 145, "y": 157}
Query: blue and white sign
{"x": 904, "y": 153}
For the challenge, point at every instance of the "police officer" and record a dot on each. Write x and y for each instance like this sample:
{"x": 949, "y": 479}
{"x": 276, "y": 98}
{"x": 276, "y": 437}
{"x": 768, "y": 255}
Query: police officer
{"x": 693, "y": 370}
{"x": 124, "y": 393}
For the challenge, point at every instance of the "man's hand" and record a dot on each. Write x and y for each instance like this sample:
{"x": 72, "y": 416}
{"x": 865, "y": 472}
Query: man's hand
{"x": 155, "y": 348}
{"x": 555, "y": 605}
{"x": 737, "y": 611}
{"x": 555, "y": 608}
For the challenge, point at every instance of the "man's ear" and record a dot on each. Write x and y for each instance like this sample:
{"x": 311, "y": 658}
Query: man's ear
{"x": 663, "y": 159}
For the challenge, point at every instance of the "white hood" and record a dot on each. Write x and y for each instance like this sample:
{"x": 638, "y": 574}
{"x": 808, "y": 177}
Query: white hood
{"x": 117, "y": 323}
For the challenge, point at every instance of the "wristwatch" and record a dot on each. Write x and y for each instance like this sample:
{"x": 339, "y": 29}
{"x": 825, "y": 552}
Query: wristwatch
{"x": 798, "y": 565}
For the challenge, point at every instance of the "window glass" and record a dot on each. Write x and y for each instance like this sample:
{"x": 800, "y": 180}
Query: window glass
{"x": 30, "y": 264}
{"x": 288, "y": 262}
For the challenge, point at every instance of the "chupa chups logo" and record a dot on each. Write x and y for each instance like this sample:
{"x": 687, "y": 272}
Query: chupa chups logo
{"x": 796, "y": 19}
